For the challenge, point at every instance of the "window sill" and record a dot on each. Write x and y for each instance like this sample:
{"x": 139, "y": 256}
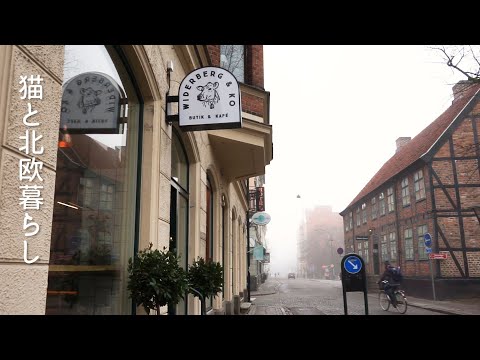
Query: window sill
{"x": 420, "y": 200}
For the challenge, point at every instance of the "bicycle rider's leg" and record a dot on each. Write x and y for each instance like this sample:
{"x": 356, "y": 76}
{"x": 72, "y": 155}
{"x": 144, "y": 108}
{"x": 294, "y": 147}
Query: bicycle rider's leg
{"x": 392, "y": 295}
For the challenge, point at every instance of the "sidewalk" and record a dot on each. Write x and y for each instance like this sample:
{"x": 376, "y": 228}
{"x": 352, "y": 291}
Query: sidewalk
{"x": 451, "y": 307}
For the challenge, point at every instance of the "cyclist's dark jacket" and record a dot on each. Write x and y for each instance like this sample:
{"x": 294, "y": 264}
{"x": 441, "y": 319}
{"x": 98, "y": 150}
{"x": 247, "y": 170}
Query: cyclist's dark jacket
{"x": 387, "y": 275}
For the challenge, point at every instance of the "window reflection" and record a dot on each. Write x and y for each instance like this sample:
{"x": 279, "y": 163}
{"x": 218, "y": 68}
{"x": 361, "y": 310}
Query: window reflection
{"x": 93, "y": 218}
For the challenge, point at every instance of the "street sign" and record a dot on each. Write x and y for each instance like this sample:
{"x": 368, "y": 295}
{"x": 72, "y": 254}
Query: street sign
{"x": 361, "y": 237}
{"x": 353, "y": 264}
{"x": 428, "y": 250}
{"x": 440, "y": 256}
{"x": 427, "y": 238}
{"x": 353, "y": 278}
{"x": 339, "y": 251}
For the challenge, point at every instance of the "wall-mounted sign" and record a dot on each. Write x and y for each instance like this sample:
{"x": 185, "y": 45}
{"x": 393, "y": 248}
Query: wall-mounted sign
{"x": 258, "y": 252}
{"x": 91, "y": 104}
{"x": 252, "y": 207}
{"x": 260, "y": 199}
{"x": 361, "y": 237}
{"x": 261, "y": 218}
{"x": 266, "y": 258}
{"x": 209, "y": 98}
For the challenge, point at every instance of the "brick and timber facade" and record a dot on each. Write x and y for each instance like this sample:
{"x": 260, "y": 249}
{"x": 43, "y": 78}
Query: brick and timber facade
{"x": 430, "y": 185}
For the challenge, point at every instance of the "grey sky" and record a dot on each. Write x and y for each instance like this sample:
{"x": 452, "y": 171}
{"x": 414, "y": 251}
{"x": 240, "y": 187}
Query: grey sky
{"x": 336, "y": 112}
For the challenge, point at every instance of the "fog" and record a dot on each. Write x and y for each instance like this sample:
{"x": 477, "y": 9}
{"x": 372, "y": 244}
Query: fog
{"x": 336, "y": 112}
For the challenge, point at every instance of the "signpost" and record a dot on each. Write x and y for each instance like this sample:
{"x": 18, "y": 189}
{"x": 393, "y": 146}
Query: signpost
{"x": 427, "y": 239}
{"x": 353, "y": 278}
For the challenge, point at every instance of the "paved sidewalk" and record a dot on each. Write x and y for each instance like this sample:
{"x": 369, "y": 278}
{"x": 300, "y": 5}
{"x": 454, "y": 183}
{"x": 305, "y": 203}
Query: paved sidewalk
{"x": 451, "y": 307}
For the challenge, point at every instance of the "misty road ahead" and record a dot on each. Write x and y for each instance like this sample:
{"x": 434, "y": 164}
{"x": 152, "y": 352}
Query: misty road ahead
{"x": 321, "y": 297}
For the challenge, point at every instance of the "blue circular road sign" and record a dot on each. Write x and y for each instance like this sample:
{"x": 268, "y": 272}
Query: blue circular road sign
{"x": 427, "y": 238}
{"x": 353, "y": 264}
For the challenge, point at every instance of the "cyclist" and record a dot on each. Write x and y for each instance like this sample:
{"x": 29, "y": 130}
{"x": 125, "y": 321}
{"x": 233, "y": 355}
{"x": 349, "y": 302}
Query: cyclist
{"x": 389, "y": 285}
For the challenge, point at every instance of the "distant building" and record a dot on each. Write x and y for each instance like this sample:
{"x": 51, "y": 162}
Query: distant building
{"x": 318, "y": 239}
{"x": 430, "y": 185}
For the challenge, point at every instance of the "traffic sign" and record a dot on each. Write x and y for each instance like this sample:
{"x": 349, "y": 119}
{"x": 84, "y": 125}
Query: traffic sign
{"x": 339, "y": 251}
{"x": 427, "y": 238}
{"x": 439, "y": 256}
{"x": 428, "y": 250}
{"x": 353, "y": 264}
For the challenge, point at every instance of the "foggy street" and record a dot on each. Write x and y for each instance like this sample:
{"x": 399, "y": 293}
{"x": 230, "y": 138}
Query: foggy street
{"x": 319, "y": 297}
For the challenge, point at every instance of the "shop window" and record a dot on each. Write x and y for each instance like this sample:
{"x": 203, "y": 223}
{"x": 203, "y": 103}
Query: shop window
{"x": 93, "y": 228}
{"x": 179, "y": 198}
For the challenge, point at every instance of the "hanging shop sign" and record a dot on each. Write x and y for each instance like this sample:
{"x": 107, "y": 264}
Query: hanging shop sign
{"x": 209, "y": 99}
{"x": 258, "y": 252}
{"x": 91, "y": 104}
{"x": 260, "y": 198}
{"x": 261, "y": 218}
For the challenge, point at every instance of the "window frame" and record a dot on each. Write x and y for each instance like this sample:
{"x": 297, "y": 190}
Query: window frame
{"x": 405, "y": 192}
{"x": 408, "y": 242}
{"x": 422, "y": 253}
{"x": 418, "y": 179}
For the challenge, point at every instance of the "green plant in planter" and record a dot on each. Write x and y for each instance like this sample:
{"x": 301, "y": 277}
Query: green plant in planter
{"x": 205, "y": 277}
{"x": 156, "y": 279}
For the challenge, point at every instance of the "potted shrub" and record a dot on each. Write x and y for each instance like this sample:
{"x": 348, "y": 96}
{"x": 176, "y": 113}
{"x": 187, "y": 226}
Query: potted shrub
{"x": 206, "y": 278}
{"x": 156, "y": 279}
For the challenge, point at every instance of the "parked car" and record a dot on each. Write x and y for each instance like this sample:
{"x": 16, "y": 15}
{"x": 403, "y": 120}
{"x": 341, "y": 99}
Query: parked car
{"x": 291, "y": 275}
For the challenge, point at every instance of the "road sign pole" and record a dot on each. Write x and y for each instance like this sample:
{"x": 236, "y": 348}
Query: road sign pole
{"x": 433, "y": 280}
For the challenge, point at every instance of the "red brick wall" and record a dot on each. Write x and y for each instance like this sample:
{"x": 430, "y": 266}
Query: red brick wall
{"x": 252, "y": 104}
{"x": 253, "y": 75}
{"x": 214, "y": 53}
{"x": 253, "y": 62}
{"x": 467, "y": 173}
{"x": 254, "y": 68}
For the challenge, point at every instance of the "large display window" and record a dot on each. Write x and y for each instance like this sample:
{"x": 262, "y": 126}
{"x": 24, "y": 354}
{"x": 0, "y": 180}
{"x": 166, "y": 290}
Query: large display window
{"x": 93, "y": 229}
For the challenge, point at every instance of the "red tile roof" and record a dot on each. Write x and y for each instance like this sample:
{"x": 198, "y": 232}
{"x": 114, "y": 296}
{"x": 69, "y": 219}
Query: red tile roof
{"x": 415, "y": 148}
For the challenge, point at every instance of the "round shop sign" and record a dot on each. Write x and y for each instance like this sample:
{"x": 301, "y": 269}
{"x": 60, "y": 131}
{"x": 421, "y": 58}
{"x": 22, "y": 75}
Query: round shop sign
{"x": 261, "y": 218}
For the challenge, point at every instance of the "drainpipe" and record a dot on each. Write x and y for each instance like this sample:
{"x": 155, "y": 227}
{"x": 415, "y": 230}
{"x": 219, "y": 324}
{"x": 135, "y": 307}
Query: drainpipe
{"x": 248, "y": 257}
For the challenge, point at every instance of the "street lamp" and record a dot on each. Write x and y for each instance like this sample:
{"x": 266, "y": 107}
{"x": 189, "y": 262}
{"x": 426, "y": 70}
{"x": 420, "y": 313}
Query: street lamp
{"x": 301, "y": 247}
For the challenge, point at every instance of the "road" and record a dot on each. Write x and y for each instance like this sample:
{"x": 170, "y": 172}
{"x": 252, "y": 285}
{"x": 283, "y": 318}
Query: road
{"x": 322, "y": 297}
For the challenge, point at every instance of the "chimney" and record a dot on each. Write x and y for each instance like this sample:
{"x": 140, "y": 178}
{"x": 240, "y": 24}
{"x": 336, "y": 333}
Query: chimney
{"x": 460, "y": 88}
{"x": 401, "y": 142}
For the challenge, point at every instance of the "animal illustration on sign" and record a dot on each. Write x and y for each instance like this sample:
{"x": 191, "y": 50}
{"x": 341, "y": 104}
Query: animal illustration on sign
{"x": 208, "y": 94}
{"x": 89, "y": 99}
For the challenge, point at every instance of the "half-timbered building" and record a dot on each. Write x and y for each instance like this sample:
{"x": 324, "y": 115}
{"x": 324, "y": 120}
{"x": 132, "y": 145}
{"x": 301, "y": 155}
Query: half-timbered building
{"x": 431, "y": 185}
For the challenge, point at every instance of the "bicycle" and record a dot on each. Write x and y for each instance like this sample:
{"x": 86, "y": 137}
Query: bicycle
{"x": 384, "y": 299}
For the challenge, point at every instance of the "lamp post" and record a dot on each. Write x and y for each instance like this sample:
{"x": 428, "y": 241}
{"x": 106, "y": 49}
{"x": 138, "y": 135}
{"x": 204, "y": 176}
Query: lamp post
{"x": 301, "y": 259}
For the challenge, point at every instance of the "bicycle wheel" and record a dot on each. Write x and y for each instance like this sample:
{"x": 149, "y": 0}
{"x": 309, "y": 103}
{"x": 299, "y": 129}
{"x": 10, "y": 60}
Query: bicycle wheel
{"x": 383, "y": 300}
{"x": 402, "y": 303}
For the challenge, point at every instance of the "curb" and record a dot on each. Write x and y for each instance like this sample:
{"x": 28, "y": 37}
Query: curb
{"x": 262, "y": 294}
{"x": 431, "y": 308}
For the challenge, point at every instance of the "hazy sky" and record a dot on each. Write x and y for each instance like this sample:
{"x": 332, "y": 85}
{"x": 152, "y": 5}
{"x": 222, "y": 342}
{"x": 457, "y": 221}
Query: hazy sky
{"x": 336, "y": 112}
